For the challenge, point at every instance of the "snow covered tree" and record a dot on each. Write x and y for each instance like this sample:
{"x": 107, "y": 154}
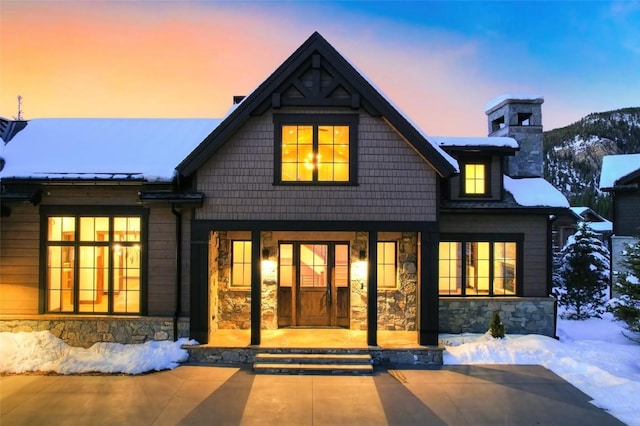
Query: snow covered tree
{"x": 627, "y": 307}
{"x": 583, "y": 275}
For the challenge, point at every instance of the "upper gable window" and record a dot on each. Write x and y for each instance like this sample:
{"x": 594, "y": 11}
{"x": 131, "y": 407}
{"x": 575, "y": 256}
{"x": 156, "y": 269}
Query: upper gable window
{"x": 475, "y": 179}
{"x": 315, "y": 149}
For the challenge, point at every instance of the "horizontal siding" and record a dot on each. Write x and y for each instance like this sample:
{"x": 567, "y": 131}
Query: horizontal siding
{"x": 161, "y": 261}
{"x": 534, "y": 228}
{"x": 19, "y": 260}
{"x": 394, "y": 182}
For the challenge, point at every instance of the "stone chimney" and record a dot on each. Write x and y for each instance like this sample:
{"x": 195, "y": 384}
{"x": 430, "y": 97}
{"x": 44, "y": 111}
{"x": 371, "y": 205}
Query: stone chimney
{"x": 519, "y": 117}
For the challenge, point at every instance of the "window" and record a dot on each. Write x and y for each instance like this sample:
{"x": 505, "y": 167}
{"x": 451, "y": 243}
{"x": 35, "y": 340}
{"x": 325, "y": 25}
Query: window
{"x": 478, "y": 268}
{"x": 475, "y": 179}
{"x": 241, "y": 264}
{"x": 315, "y": 149}
{"x": 387, "y": 265}
{"x": 93, "y": 264}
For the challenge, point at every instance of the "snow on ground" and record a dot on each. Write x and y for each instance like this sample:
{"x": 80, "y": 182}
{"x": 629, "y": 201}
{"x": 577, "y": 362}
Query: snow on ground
{"x": 593, "y": 355}
{"x": 42, "y": 351}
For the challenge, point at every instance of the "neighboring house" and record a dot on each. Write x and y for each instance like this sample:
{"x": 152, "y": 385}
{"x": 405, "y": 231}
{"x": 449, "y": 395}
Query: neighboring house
{"x": 315, "y": 203}
{"x": 620, "y": 176}
{"x": 566, "y": 225}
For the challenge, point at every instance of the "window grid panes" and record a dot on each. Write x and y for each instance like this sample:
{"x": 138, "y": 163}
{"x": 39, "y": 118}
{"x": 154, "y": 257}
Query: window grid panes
{"x": 87, "y": 272}
{"x": 474, "y": 179}
{"x": 450, "y": 264}
{"x": 315, "y": 153}
{"x": 477, "y": 268}
{"x": 387, "y": 265}
{"x": 241, "y": 264}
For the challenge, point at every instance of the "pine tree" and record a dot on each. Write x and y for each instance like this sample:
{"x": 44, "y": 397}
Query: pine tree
{"x": 583, "y": 275}
{"x": 627, "y": 307}
{"x": 496, "y": 328}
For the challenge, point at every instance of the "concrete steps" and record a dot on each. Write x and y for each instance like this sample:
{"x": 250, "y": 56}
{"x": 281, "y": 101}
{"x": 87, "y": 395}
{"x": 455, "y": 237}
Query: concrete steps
{"x": 313, "y": 363}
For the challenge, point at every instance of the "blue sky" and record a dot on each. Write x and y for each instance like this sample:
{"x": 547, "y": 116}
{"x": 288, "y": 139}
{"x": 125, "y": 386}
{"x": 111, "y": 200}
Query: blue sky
{"x": 440, "y": 62}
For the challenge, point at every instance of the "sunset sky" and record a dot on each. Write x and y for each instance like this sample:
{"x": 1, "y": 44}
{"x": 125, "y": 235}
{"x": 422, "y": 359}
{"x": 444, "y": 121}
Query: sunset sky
{"x": 439, "y": 62}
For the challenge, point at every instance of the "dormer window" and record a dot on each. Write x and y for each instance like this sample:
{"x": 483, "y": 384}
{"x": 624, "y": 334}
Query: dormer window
{"x": 315, "y": 149}
{"x": 475, "y": 179}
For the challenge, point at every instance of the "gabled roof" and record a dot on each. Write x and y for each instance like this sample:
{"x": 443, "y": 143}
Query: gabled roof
{"x": 619, "y": 170}
{"x": 133, "y": 149}
{"x": 358, "y": 92}
{"x": 587, "y": 213}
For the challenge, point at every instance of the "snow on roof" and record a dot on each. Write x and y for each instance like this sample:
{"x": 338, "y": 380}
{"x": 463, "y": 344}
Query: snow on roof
{"x": 495, "y": 102}
{"x": 534, "y": 192}
{"x": 579, "y": 210}
{"x": 493, "y": 141}
{"x": 604, "y": 226}
{"x": 615, "y": 167}
{"x": 102, "y": 148}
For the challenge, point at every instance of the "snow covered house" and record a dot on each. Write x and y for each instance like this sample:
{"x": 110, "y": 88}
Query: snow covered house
{"x": 315, "y": 203}
{"x": 566, "y": 225}
{"x": 620, "y": 176}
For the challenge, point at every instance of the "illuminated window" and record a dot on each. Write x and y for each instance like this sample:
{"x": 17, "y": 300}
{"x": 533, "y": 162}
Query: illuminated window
{"x": 387, "y": 265}
{"x": 241, "y": 264}
{"x": 478, "y": 268}
{"x": 475, "y": 181}
{"x": 93, "y": 264}
{"x": 315, "y": 149}
{"x": 450, "y": 264}
{"x": 286, "y": 265}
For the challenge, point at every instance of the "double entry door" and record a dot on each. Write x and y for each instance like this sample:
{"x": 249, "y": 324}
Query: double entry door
{"x": 313, "y": 284}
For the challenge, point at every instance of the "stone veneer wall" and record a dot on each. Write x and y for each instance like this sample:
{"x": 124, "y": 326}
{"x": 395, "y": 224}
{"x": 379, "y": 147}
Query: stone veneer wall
{"x": 397, "y": 309}
{"x": 85, "y": 331}
{"x": 358, "y": 297}
{"x": 523, "y": 315}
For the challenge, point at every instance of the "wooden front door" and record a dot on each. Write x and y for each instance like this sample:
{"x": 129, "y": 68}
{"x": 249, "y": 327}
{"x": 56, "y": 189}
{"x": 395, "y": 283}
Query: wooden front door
{"x": 314, "y": 284}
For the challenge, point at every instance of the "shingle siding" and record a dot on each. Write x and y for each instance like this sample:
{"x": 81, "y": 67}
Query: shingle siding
{"x": 394, "y": 183}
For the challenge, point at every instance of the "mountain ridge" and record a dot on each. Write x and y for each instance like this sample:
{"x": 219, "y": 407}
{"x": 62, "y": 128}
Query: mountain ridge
{"x": 573, "y": 154}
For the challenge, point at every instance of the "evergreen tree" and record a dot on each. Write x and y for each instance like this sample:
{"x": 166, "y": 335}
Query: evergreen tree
{"x": 583, "y": 275}
{"x": 496, "y": 328}
{"x": 626, "y": 307}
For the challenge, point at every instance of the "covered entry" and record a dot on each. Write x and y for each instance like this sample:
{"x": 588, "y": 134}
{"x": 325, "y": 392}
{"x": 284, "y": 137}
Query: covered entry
{"x": 313, "y": 284}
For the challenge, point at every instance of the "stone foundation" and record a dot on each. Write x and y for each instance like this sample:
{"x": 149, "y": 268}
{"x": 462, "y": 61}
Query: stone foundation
{"x": 520, "y": 315}
{"x": 85, "y": 331}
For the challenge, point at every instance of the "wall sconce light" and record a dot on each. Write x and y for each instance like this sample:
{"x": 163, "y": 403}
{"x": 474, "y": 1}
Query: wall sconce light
{"x": 269, "y": 268}
{"x": 359, "y": 267}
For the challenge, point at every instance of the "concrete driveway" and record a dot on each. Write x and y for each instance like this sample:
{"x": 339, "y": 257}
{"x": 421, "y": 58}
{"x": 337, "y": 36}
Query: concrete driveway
{"x": 203, "y": 395}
